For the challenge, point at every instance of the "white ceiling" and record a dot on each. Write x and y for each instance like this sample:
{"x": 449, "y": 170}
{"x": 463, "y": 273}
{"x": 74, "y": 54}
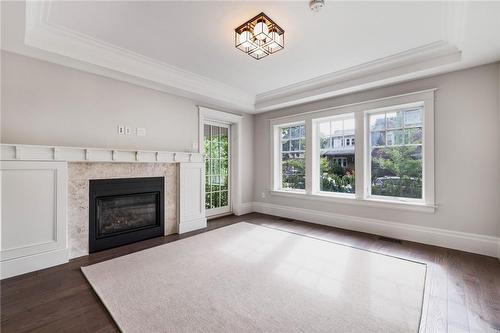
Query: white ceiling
{"x": 198, "y": 37}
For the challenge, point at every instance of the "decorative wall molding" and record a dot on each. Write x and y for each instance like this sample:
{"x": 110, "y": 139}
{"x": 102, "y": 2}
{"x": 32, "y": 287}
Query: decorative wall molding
{"x": 191, "y": 197}
{"x": 81, "y": 154}
{"x": 42, "y": 34}
{"x": 475, "y": 243}
{"x": 453, "y": 21}
{"x": 33, "y": 238}
{"x": 386, "y": 70}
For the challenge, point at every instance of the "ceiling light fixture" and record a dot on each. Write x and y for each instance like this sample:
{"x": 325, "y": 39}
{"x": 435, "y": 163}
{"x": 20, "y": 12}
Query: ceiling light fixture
{"x": 259, "y": 37}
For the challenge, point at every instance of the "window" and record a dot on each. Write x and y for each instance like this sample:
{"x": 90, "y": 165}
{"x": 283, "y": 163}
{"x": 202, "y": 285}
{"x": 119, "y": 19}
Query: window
{"x": 293, "y": 145}
{"x": 342, "y": 161}
{"x": 374, "y": 153}
{"x": 396, "y": 153}
{"x": 336, "y": 154}
{"x": 216, "y": 141}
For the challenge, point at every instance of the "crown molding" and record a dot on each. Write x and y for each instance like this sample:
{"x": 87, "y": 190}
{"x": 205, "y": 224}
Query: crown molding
{"x": 453, "y": 21}
{"x": 58, "y": 44}
{"x": 40, "y": 33}
{"x": 379, "y": 72}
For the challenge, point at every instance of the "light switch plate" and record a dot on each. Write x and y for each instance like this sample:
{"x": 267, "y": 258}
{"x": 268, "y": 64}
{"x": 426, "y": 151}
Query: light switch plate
{"x": 121, "y": 129}
{"x": 140, "y": 131}
{"x": 127, "y": 130}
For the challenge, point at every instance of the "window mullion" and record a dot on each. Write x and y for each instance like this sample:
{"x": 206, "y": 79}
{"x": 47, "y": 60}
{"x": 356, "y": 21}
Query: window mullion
{"x": 359, "y": 157}
{"x": 276, "y": 158}
{"x": 311, "y": 146}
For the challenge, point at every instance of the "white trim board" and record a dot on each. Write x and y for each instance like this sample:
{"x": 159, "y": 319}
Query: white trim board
{"x": 33, "y": 263}
{"x": 468, "y": 242}
{"x": 192, "y": 225}
{"x": 85, "y": 154}
{"x": 246, "y": 208}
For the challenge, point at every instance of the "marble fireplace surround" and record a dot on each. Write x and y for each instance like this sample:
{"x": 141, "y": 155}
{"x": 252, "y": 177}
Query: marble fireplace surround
{"x": 79, "y": 174}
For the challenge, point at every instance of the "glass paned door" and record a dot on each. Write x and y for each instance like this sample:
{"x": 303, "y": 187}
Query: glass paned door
{"x": 217, "y": 169}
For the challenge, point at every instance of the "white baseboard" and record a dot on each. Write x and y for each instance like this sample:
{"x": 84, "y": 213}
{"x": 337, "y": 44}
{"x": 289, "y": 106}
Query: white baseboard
{"x": 18, "y": 266}
{"x": 475, "y": 243}
{"x": 244, "y": 208}
{"x": 191, "y": 225}
{"x": 498, "y": 249}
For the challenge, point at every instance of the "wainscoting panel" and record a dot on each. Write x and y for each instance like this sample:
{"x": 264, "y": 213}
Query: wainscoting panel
{"x": 34, "y": 234}
{"x": 191, "y": 197}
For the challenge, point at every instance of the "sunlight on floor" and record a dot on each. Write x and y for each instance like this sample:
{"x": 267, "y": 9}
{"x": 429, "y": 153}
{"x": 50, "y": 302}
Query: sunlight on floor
{"x": 253, "y": 246}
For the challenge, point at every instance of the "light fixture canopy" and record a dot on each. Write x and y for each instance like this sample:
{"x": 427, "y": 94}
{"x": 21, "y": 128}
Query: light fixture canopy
{"x": 259, "y": 37}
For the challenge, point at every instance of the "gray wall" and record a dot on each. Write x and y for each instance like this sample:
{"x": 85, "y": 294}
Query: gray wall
{"x": 466, "y": 147}
{"x": 48, "y": 104}
{"x": 44, "y": 103}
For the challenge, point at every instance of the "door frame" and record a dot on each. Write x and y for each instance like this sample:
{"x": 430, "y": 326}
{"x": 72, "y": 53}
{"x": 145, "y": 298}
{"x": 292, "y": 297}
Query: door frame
{"x": 212, "y": 212}
{"x": 235, "y": 123}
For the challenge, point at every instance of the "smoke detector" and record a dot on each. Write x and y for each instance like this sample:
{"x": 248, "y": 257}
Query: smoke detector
{"x": 316, "y": 5}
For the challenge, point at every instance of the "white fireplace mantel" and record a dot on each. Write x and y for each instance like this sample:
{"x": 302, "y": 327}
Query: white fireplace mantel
{"x": 25, "y": 167}
{"x": 85, "y": 154}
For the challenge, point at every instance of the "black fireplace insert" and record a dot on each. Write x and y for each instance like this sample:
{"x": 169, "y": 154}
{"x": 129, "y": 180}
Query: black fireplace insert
{"x": 125, "y": 210}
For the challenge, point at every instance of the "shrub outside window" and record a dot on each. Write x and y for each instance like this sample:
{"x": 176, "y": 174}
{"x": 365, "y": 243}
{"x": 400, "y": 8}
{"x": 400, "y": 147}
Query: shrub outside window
{"x": 337, "y": 154}
{"x": 293, "y": 145}
{"x": 396, "y": 153}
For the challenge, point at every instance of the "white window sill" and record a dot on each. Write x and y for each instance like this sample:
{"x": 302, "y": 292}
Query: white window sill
{"x": 352, "y": 200}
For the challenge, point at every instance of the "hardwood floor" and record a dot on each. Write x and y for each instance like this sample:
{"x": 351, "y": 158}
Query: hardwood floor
{"x": 462, "y": 292}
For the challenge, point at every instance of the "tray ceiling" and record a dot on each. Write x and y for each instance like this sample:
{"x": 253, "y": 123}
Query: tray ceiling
{"x": 344, "y": 47}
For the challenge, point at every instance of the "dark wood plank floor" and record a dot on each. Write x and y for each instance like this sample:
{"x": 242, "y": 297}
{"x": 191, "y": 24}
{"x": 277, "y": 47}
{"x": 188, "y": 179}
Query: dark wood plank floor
{"x": 462, "y": 291}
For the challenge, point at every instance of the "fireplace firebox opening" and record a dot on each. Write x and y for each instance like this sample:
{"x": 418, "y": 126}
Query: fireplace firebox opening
{"x": 125, "y": 210}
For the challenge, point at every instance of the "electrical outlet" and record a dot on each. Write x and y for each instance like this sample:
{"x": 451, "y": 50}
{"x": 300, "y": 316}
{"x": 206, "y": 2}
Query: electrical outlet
{"x": 194, "y": 146}
{"x": 121, "y": 129}
{"x": 263, "y": 195}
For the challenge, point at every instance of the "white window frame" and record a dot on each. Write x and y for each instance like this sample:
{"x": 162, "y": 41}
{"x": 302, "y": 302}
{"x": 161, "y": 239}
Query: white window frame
{"x": 277, "y": 154}
{"x": 316, "y": 152}
{"x": 235, "y": 122}
{"x": 210, "y": 212}
{"x": 362, "y": 163}
{"x": 368, "y": 159}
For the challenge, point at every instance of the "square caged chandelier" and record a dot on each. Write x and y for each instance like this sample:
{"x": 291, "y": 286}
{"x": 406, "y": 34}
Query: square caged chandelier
{"x": 259, "y": 37}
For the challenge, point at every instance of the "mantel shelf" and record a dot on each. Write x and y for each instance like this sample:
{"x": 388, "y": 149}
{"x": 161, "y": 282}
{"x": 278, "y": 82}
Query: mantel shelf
{"x": 19, "y": 152}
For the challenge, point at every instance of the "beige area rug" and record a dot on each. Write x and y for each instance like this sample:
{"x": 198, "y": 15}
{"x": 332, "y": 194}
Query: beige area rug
{"x": 248, "y": 278}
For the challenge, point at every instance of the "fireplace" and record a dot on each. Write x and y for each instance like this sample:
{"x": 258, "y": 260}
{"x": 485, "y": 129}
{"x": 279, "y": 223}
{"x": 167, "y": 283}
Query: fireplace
{"x": 123, "y": 211}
